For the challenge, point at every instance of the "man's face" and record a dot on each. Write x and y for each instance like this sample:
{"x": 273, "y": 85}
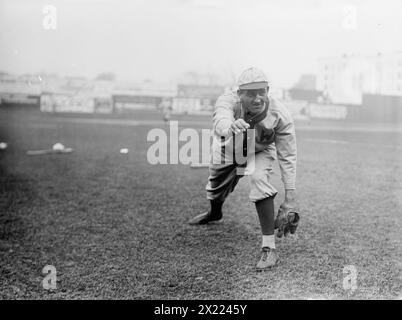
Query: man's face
{"x": 254, "y": 100}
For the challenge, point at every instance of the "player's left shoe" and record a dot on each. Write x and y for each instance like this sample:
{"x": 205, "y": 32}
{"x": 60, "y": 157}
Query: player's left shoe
{"x": 204, "y": 218}
{"x": 269, "y": 258}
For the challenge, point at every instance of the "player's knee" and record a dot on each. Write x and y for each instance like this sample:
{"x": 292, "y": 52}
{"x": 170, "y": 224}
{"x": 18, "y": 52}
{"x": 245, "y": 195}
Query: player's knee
{"x": 258, "y": 177}
{"x": 260, "y": 188}
{"x": 258, "y": 195}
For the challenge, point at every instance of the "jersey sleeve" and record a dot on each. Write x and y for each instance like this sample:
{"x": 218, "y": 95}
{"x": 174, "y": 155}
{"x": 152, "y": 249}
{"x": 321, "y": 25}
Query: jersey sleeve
{"x": 223, "y": 115}
{"x": 286, "y": 148}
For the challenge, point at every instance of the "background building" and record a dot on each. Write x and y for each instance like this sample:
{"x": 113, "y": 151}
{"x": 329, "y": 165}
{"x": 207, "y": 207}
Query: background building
{"x": 345, "y": 79}
{"x": 23, "y": 90}
{"x": 148, "y": 95}
{"x": 196, "y": 98}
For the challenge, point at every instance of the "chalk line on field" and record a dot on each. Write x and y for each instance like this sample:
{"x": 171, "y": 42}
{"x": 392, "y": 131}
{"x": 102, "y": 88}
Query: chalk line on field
{"x": 344, "y": 142}
{"x": 328, "y": 141}
{"x": 340, "y": 128}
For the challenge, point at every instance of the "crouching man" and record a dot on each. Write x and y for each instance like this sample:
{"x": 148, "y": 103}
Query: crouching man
{"x": 274, "y": 138}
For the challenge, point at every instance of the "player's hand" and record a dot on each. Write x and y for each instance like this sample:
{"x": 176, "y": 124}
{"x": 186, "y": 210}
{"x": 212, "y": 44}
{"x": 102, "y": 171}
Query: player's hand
{"x": 290, "y": 199}
{"x": 239, "y": 125}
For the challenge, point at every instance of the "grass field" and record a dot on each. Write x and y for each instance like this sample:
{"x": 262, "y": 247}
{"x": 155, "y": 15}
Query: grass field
{"x": 115, "y": 227}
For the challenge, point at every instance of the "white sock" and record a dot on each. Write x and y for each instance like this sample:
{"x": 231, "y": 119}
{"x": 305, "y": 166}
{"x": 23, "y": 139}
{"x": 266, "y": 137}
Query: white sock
{"x": 268, "y": 241}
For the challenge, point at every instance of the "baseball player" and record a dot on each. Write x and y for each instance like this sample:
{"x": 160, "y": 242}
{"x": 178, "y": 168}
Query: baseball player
{"x": 166, "y": 107}
{"x": 274, "y": 136}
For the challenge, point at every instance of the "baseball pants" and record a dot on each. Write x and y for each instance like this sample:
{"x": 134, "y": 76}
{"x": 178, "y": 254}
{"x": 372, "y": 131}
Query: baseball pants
{"x": 223, "y": 178}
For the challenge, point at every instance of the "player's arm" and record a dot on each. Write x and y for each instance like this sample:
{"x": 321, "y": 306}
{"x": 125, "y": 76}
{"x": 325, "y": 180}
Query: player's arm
{"x": 288, "y": 216}
{"x": 285, "y": 141}
{"x": 223, "y": 117}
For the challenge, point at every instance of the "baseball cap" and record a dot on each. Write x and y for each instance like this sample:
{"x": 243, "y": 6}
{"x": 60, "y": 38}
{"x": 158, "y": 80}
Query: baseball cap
{"x": 252, "y": 79}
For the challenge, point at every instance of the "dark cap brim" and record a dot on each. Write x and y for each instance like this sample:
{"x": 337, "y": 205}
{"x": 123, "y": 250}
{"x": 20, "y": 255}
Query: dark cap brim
{"x": 254, "y": 85}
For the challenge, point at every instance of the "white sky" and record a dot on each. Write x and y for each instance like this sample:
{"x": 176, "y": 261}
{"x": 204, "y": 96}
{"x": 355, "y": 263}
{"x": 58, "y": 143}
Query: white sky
{"x": 161, "y": 39}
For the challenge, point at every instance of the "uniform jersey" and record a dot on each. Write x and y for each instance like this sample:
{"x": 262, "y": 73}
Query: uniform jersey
{"x": 276, "y": 129}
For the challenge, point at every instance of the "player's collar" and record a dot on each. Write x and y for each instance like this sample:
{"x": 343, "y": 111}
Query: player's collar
{"x": 252, "y": 120}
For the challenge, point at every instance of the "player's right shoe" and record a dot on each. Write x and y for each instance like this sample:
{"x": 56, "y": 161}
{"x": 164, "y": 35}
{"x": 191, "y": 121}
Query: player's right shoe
{"x": 269, "y": 258}
{"x": 205, "y": 218}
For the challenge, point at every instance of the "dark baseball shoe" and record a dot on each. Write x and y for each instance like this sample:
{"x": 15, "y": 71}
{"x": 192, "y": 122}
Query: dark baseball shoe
{"x": 204, "y": 218}
{"x": 269, "y": 258}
